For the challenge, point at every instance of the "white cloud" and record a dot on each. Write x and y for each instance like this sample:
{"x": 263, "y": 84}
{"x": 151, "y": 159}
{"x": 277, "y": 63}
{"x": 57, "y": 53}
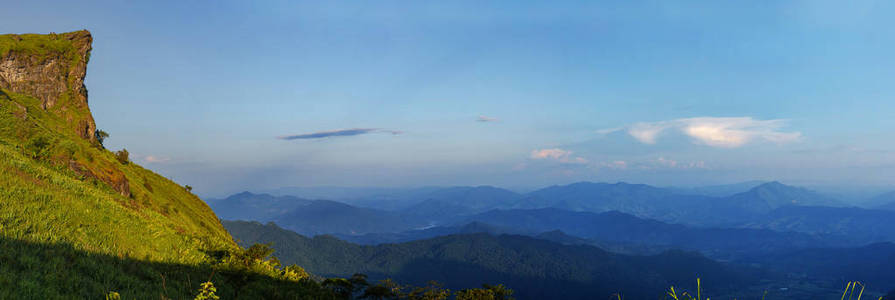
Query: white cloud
{"x": 556, "y": 154}
{"x": 647, "y": 132}
{"x": 715, "y": 132}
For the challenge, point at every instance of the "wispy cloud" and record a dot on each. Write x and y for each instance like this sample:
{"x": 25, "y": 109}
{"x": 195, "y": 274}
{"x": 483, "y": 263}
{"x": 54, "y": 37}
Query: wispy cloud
{"x": 336, "y": 133}
{"x": 155, "y": 159}
{"x": 711, "y": 131}
{"x": 556, "y": 154}
{"x": 486, "y": 119}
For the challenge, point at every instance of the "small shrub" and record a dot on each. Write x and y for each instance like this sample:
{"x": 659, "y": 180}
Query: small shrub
{"x": 207, "y": 292}
{"x": 68, "y": 149}
{"x": 123, "y": 156}
{"x": 294, "y": 273}
{"x": 37, "y": 147}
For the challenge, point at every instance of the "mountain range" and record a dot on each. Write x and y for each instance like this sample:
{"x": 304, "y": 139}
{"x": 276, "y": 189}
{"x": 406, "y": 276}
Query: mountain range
{"x": 536, "y": 268}
{"x": 763, "y": 206}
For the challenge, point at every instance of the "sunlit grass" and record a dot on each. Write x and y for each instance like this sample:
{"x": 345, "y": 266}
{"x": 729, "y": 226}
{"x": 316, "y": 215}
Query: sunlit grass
{"x": 43, "y": 200}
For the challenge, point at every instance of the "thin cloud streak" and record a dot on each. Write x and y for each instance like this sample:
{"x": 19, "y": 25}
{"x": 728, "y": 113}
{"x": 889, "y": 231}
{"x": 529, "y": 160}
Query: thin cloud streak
{"x": 337, "y": 133}
{"x": 486, "y": 119}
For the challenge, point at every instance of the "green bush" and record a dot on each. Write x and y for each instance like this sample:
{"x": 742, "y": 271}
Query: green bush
{"x": 38, "y": 147}
{"x": 207, "y": 292}
{"x": 122, "y": 156}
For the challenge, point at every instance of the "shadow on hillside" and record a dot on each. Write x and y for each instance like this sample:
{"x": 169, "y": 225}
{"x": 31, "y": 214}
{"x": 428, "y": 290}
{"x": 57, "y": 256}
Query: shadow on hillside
{"x": 576, "y": 283}
{"x": 457, "y": 275}
{"x": 59, "y": 271}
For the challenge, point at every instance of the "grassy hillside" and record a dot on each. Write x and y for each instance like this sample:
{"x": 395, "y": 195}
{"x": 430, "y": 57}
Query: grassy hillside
{"x": 78, "y": 221}
{"x": 60, "y": 188}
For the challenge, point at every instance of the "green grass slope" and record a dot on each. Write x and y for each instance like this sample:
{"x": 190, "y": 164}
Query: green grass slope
{"x": 78, "y": 221}
{"x": 45, "y": 195}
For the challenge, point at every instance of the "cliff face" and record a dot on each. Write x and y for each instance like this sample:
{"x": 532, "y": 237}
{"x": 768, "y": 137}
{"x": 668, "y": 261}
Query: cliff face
{"x": 51, "y": 68}
{"x": 58, "y": 184}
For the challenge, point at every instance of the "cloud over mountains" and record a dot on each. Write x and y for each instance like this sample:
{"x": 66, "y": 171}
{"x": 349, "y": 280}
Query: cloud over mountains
{"x": 724, "y": 132}
{"x": 557, "y": 154}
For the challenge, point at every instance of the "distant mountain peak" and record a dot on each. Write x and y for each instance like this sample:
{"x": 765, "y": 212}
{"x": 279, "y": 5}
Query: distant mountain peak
{"x": 776, "y": 188}
{"x": 773, "y": 185}
{"x": 774, "y": 194}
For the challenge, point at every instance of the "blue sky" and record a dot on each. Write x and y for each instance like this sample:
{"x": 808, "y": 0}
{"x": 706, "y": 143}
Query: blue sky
{"x": 250, "y": 95}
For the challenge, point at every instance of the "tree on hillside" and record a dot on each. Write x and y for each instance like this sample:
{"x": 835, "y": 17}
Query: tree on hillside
{"x": 340, "y": 286}
{"x": 432, "y": 291}
{"x": 500, "y": 291}
{"x": 385, "y": 289}
{"x": 123, "y": 156}
{"x": 474, "y": 294}
{"x": 487, "y": 292}
{"x": 100, "y": 136}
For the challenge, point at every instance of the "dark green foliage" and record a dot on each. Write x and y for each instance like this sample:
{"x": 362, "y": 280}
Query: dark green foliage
{"x": 37, "y": 147}
{"x": 347, "y": 288}
{"x": 475, "y": 294}
{"x": 431, "y": 291}
{"x": 500, "y": 292}
{"x": 101, "y": 136}
{"x": 385, "y": 289}
{"x": 487, "y": 292}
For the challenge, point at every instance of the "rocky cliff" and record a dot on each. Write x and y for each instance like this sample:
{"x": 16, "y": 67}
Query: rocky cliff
{"x": 58, "y": 184}
{"x": 51, "y": 68}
